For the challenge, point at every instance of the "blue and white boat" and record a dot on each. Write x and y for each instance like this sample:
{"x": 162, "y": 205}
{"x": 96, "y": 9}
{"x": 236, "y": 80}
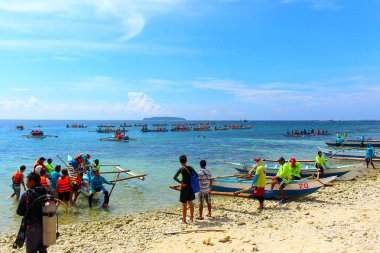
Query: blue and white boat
{"x": 306, "y": 171}
{"x": 348, "y": 154}
{"x": 297, "y": 188}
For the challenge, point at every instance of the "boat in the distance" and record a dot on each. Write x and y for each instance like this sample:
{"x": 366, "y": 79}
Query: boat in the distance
{"x": 126, "y": 125}
{"x": 75, "y": 126}
{"x": 157, "y": 129}
{"x": 221, "y": 128}
{"x": 180, "y": 129}
{"x": 20, "y": 127}
{"x": 238, "y": 127}
{"x": 111, "y": 130}
{"x": 37, "y": 134}
{"x": 202, "y": 128}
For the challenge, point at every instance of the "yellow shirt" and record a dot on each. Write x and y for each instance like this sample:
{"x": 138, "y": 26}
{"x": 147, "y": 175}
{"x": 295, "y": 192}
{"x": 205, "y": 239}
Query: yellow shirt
{"x": 261, "y": 181}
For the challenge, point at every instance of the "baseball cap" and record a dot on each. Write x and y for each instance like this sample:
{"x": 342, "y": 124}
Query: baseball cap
{"x": 281, "y": 159}
{"x": 257, "y": 159}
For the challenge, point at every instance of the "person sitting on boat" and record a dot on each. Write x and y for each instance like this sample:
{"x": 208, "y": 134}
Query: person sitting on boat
{"x": 283, "y": 177}
{"x": 338, "y": 141}
{"x": 96, "y": 185}
{"x": 49, "y": 166}
{"x": 312, "y": 131}
{"x": 361, "y": 141}
{"x": 39, "y": 162}
{"x": 369, "y": 154}
{"x": 258, "y": 183}
{"x": 97, "y": 165}
{"x": 17, "y": 181}
{"x": 337, "y": 135}
{"x": 320, "y": 163}
{"x": 119, "y": 136}
{"x": 295, "y": 169}
{"x": 126, "y": 137}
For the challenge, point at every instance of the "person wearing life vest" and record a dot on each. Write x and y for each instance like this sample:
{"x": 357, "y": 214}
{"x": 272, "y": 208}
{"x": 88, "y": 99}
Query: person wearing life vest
{"x": 17, "y": 181}
{"x": 80, "y": 161}
{"x": 78, "y": 182}
{"x": 96, "y": 185}
{"x": 295, "y": 168}
{"x": 49, "y": 166}
{"x": 39, "y": 162}
{"x": 320, "y": 163}
{"x": 31, "y": 211}
{"x": 64, "y": 185}
{"x": 283, "y": 177}
{"x": 44, "y": 180}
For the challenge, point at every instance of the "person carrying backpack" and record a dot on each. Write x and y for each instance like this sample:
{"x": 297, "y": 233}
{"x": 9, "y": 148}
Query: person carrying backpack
{"x": 32, "y": 213}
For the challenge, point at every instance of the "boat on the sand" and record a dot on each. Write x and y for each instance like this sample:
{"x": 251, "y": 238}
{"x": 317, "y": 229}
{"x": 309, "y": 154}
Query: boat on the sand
{"x": 295, "y": 189}
{"x": 306, "y": 171}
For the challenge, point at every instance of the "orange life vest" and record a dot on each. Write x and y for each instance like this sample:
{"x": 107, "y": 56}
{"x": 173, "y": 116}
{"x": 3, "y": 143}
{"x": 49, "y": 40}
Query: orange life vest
{"x": 43, "y": 182}
{"x": 16, "y": 179}
{"x": 63, "y": 185}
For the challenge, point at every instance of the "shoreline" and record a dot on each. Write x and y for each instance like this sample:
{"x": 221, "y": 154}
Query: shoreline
{"x": 341, "y": 218}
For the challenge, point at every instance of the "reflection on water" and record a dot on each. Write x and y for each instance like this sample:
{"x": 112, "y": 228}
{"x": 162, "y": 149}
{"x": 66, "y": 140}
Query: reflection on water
{"x": 153, "y": 153}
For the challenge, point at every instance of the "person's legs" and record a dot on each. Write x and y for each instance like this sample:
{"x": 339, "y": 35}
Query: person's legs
{"x": 106, "y": 197}
{"x": 373, "y": 165}
{"x": 184, "y": 211}
{"x": 208, "y": 200}
{"x": 191, "y": 210}
{"x": 33, "y": 240}
{"x": 90, "y": 197}
{"x": 200, "y": 205}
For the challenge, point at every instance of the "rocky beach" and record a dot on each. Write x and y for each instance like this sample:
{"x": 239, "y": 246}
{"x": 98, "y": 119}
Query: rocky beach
{"x": 343, "y": 217}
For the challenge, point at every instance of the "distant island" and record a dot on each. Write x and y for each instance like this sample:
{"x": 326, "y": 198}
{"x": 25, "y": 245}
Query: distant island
{"x": 164, "y": 118}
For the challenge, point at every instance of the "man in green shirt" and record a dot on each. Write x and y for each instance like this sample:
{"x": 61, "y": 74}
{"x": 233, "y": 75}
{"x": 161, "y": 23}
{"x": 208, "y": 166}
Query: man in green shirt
{"x": 295, "y": 168}
{"x": 283, "y": 177}
{"x": 320, "y": 163}
{"x": 49, "y": 166}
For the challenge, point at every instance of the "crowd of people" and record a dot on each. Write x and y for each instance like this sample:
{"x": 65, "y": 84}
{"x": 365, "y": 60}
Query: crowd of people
{"x": 307, "y": 132}
{"x": 287, "y": 172}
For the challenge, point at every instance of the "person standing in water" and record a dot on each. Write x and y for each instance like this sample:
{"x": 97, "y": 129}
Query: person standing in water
{"x": 187, "y": 194}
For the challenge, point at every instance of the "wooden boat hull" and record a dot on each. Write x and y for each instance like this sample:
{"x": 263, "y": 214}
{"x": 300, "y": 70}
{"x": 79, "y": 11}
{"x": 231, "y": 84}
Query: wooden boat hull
{"x": 348, "y": 154}
{"x": 297, "y": 188}
{"x": 153, "y": 130}
{"x": 305, "y": 171}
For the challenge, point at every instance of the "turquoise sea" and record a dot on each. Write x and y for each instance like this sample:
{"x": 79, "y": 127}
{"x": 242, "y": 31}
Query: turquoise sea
{"x": 155, "y": 154}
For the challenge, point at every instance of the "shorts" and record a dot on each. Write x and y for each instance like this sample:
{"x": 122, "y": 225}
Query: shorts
{"x": 283, "y": 184}
{"x": 186, "y": 194}
{"x": 320, "y": 168}
{"x": 203, "y": 196}
{"x": 64, "y": 196}
{"x": 17, "y": 189}
{"x": 368, "y": 160}
{"x": 76, "y": 187}
{"x": 258, "y": 191}
{"x": 297, "y": 178}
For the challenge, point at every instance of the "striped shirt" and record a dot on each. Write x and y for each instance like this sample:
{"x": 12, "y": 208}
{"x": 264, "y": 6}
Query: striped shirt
{"x": 204, "y": 177}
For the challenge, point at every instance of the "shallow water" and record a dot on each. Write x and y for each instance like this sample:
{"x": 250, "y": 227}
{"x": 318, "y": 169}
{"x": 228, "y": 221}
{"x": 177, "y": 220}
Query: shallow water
{"x": 155, "y": 154}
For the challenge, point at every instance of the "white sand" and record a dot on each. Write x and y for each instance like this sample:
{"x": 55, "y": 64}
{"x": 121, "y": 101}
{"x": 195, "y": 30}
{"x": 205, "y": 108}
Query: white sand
{"x": 341, "y": 218}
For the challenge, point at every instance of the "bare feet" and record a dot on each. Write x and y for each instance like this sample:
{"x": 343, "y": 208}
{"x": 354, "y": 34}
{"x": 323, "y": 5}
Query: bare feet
{"x": 199, "y": 218}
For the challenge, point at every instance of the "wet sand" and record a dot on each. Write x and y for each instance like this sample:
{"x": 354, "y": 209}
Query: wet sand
{"x": 342, "y": 218}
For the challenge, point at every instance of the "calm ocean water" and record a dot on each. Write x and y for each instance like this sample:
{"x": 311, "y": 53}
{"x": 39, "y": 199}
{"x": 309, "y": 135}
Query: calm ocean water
{"x": 155, "y": 154}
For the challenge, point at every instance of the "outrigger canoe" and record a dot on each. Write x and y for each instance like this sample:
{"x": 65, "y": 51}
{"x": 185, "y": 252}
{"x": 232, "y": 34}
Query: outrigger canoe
{"x": 271, "y": 169}
{"x": 348, "y": 154}
{"x": 297, "y": 188}
{"x": 146, "y": 130}
{"x": 116, "y": 139}
{"x": 357, "y": 144}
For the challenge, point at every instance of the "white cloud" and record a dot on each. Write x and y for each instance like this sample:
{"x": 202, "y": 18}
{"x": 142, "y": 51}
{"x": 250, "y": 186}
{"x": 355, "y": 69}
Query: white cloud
{"x": 132, "y": 15}
{"x": 14, "y": 105}
{"x": 141, "y": 102}
{"x": 316, "y": 4}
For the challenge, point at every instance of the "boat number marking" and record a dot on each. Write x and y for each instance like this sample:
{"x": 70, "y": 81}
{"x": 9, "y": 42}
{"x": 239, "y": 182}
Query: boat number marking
{"x": 303, "y": 186}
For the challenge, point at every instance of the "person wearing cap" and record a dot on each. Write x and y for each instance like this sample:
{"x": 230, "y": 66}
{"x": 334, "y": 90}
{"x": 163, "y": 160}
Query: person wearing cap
{"x": 17, "y": 181}
{"x": 96, "y": 185}
{"x": 258, "y": 183}
{"x": 30, "y": 208}
{"x": 39, "y": 162}
{"x": 320, "y": 163}
{"x": 369, "y": 154}
{"x": 295, "y": 168}
{"x": 283, "y": 177}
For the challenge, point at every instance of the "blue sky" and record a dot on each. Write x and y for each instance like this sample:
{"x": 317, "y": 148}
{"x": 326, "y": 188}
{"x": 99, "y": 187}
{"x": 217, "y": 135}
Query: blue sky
{"x": 226, "y": 59}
